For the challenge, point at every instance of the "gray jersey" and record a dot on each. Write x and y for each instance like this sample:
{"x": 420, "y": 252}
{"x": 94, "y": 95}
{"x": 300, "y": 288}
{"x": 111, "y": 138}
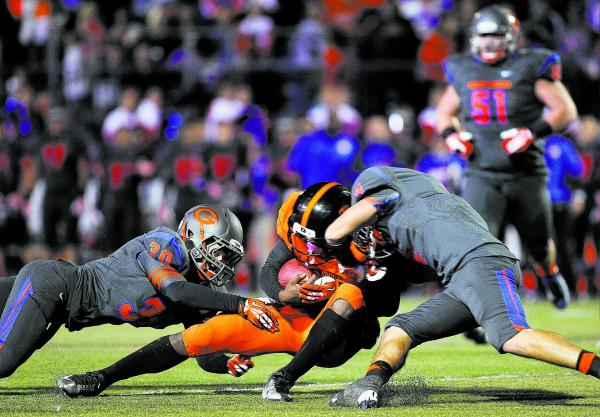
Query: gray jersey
{"x": 425, "y": 222}
{"x": 494, "y": 98}
{"x": 125, "y": 286}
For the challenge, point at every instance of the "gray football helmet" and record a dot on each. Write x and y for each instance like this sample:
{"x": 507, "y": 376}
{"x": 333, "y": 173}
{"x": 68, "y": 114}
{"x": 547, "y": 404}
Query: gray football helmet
{"x": 494, "y": 33}
{"x": 213, "y": 238}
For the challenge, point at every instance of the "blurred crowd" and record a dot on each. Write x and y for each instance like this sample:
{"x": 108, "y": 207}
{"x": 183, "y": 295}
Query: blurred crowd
{"x": 119, "y": 117}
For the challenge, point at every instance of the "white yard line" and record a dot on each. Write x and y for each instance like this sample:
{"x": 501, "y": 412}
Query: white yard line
{"x": 343, "y": 384}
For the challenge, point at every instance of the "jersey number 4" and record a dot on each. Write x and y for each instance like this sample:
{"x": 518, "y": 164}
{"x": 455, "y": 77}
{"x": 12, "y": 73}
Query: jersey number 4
{"x": 152, "y": 307}
{"x": 481, "y": 106}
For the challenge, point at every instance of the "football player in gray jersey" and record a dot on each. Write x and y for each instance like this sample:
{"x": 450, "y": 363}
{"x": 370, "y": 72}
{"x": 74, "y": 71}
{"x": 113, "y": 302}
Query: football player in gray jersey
{"x": 157, "y": 279}
{"x": 425, "y": 223}
{"x": 508, "y": 100}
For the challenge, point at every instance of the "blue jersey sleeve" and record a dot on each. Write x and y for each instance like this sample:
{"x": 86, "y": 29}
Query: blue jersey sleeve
{"x": 548, "y": 65}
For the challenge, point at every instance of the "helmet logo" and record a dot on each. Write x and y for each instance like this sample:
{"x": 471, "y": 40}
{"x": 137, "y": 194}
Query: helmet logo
{"x": 206, "y": 216}
{"x": 303, "y": 231}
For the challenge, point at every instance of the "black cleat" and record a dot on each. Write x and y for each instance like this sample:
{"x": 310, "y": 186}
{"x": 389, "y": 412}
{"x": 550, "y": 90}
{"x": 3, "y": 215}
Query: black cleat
{"x": 277, "y": 388}
{"x": 89, "y": 384}
{"x": 363, "y": 394}
{"x": 557, "y": 290}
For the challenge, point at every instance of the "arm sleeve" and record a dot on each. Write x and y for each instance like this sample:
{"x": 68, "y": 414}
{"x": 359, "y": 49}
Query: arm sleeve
{"x": 267, "y": 279}
{"x": 215, "y": 363}
{"x": 173, "y": 286}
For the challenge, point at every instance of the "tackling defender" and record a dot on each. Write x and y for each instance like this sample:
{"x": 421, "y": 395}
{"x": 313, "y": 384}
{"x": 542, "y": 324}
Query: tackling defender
{"x": 509, "y": 100}
{"x": 439, "y": 229}
{"x": 155, "y": 280}
{"x": 314, "y": 320}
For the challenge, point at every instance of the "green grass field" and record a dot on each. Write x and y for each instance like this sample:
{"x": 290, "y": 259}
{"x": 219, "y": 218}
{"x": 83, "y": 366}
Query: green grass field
{"x": 445, "y": 378}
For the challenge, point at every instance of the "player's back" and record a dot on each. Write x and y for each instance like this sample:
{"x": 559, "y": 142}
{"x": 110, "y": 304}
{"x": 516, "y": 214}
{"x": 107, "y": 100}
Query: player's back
{"x": 427, "y": 223}
{"x": 116, "y": 289}
{"x": 499, "y": 97}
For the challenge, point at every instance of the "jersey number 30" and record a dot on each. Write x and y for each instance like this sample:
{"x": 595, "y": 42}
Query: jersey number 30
{"x": 481, "y": 106}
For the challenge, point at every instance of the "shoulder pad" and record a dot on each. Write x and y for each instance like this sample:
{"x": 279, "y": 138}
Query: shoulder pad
{"x": 369, "y": 179}
{"x": 164, "y": 245}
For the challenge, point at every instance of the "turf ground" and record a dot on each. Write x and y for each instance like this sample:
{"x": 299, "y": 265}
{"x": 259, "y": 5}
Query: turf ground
{"x": 444, "y": 378}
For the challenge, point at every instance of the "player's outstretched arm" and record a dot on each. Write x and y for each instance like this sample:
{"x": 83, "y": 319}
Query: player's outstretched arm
{"x": 173, "y": 286}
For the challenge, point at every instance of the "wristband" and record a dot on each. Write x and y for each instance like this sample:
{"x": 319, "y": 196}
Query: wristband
{"x": 447, "y": 132}
{"x": 541, "y": 128}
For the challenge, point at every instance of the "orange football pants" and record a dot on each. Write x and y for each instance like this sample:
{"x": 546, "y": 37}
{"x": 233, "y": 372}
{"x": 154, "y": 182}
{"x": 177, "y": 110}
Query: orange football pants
{"x": 230, "y": 333}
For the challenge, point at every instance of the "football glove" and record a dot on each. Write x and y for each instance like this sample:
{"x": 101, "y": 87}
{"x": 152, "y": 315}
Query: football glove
{"x": 460, "y": 142}
{"x": 314, "y": 293}
{"x": 259, "y": 314}
{"x": 516, "y": 140}
{"x": 238, "y": 365}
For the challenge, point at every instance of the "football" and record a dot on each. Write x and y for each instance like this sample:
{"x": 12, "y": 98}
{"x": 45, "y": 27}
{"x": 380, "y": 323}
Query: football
{"x": 290, "y": 270}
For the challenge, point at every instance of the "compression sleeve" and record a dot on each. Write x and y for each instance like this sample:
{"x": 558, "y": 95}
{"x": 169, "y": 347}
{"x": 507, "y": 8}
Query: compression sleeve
{"x": 267, "y": 279}
{"x": 173, "y": 286}
{"x": 215, "y": 363}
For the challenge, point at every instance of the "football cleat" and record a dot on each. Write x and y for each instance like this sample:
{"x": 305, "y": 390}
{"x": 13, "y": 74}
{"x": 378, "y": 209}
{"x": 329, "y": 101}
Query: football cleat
{"x": 89, "y": 384}
{"x": 557, "y": 290}
{"x": 277, "y": 388}
{"x": 362, "y": 394}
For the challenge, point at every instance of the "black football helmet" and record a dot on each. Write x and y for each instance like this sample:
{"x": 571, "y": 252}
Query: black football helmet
{"x": 494, "y": 31}
{"x": 213, "y": 237}
{"x": 314, "y": 210}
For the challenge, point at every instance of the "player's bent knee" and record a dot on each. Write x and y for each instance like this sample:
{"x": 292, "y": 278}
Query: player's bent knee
{"x": 198, "y": 339}
{"x": 342, "y": 308}
{"x": 520, "y": 343}
{"x": 8, "y": 365}
{"x": 176, "y": 341}
{"x": 349, "y": 293}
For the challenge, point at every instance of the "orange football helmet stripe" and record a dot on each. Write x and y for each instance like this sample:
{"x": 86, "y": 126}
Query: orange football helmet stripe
{"x": 313, "y": 201}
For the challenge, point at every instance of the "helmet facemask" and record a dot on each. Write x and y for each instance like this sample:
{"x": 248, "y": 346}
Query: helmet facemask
{"x": 213, "y": 238}
{"x": 215, "y": 259}
{"x": 307, "y": 247}
{"x": 491, "y": 48}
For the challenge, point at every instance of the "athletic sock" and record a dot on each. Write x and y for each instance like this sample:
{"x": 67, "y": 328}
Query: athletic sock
{"x": 588, "y": 363}
{"x": 382, "y": 369}
{"x": 155, "y": 357}
{"x": 326, "y": 333}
